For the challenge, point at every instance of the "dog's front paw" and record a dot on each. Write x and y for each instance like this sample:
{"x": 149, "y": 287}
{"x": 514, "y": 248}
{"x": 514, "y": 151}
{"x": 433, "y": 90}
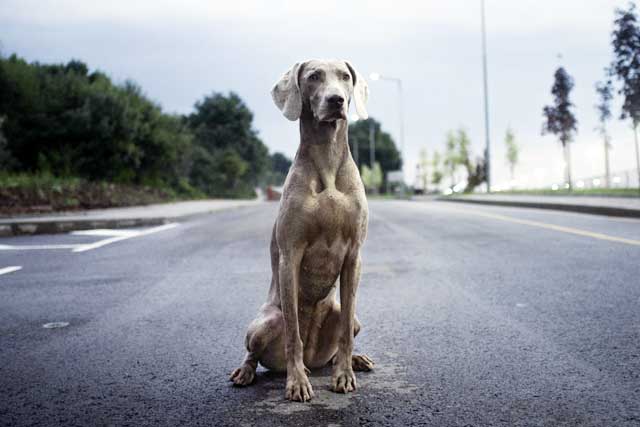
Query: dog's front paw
{"x": 298, "y": 386}
{"x": 343, "y": 380}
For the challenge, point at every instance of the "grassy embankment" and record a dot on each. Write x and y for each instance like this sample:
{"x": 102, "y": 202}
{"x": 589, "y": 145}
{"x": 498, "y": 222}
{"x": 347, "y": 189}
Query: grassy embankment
{"x": 610, "y": 192}
{"x": 27, "y": 193}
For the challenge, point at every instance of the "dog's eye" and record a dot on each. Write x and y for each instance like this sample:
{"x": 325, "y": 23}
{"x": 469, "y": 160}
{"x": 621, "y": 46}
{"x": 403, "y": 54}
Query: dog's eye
{"x": 314, "y": 77}
{"x": 346, "y": 77}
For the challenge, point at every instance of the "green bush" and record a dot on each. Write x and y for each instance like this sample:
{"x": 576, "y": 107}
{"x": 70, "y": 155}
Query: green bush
{"x": 64, "y": 121}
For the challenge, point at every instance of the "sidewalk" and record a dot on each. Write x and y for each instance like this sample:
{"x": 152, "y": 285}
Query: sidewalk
{"x": 612, "y": 206}
{"x": 134, "y": 216}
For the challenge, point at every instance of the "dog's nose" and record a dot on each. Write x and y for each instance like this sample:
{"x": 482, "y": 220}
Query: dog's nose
{"x": 336, "y": 100}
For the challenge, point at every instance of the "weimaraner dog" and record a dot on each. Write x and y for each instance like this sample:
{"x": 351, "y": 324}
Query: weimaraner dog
{"x": 317, "y": 237}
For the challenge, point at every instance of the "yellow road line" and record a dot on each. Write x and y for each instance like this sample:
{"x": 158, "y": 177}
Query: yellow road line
{"x": 560, "y": 228}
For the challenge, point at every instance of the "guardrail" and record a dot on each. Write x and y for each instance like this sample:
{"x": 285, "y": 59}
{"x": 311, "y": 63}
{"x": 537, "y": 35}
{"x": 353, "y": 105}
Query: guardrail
{"x": 621, "y": 179}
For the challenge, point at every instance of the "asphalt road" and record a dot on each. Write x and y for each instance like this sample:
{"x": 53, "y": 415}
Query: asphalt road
{"x": 475, "y": 316}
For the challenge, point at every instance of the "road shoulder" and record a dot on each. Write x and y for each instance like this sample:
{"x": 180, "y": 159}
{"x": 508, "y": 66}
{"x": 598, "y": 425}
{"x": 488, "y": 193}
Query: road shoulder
{"x": 611, "y": 206}
{"x": 135, "y": 216}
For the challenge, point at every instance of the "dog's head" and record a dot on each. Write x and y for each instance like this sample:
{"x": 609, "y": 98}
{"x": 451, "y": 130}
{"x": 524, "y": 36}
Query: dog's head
{"x": 325, "y": 88}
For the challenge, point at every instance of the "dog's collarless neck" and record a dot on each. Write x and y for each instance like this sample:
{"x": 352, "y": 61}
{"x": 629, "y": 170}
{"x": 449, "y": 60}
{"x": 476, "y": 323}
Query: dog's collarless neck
{"x": 325, "y": 146}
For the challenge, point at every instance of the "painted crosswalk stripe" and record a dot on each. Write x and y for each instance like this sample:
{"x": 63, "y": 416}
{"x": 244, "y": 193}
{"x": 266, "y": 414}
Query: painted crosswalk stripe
{"x": 10, "y": 269}
{"x": 112, "y": 236}
{"x": 125, "y": 236}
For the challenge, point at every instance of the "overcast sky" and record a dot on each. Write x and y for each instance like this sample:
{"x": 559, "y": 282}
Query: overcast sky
{"x": 180, "y": 51}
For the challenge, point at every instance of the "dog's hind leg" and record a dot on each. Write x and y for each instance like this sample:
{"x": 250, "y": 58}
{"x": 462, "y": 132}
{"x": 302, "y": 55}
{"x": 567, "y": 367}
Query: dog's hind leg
{"x": 359, "y": 362}
{"x": 266, "y": 329}
{"x": 245, "y": 374}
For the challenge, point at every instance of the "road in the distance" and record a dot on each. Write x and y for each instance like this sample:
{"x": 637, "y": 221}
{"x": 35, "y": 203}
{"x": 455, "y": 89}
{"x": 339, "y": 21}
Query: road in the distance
{"x": 475, "y": 316}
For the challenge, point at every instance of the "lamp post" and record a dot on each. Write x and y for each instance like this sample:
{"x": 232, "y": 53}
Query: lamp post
{"x": 377, "y": 76}
{"x": 487, "y": 150}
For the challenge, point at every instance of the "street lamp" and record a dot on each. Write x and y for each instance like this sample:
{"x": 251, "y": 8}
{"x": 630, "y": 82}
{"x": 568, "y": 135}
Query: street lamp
{"x": 487, "y": 155}
{"x": 377, "y": 76}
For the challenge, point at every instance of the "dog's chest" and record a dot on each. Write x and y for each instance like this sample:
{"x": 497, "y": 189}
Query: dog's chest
{"x": 334, "y": 215}
{"x": 334, "y": 224}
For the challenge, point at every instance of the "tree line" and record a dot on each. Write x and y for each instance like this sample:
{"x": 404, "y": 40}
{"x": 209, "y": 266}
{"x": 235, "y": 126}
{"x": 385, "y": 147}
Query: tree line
{"x": 363, "y": 134}
{"x": 625, "y": 69}
{"x": 63, "y": 120}
{"x": 457, "y": 155}
{"x": 558, "y": 117}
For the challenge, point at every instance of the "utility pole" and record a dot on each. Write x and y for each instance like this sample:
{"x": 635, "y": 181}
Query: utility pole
{"x": 401, "y": 112}
{"x": 487, "y": 150}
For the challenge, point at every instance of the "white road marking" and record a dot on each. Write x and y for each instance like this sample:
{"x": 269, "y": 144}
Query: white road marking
{"x": 10, "y": 269}
{"x": 114, "y": 236}
{"x": 104, "y": 242}
{"x": 55, "y": 325}
{"x": 104, "y": 232}
{"x": 34, "y": 247}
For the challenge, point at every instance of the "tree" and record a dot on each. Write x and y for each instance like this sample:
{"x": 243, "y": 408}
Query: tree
{"x": 6, "y": 160}
{"x": 377, "y": 176}
{"x": 605, "y": 94}
{"x": 512, "y": 151}
{"x": 559, "y": 119}
{"x": 222, "y": 122}
{"x": 451, "y": 159}
{"x": 371, "y": 177}
{"x": 436, "y": 172}
{"x": 233, "y": 169}
{"x": 386, "y": 152}
{"x": 280, "y": 165}
{"x": 423, "y": 167}
{"x": 203, "y": 173}
{"x": 64, "y": 120}
{"x": 463, "y": 143}
{"x": 458, "y": 153}
{"x": 367, "y": 180}
{"x": 626, "y": 67}
{"x": 476, "y": 172}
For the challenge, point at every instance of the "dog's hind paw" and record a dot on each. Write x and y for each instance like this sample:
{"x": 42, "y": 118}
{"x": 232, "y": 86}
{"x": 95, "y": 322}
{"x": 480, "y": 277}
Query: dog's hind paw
{"x": 242, "y": 376}
{"x": 361, "y": 362}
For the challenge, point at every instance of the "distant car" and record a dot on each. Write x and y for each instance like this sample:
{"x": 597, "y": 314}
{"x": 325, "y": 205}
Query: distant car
{"x": 274, "y": 193}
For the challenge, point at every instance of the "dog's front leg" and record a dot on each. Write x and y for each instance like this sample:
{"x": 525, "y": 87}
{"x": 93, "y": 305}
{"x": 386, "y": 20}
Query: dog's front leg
{"x": 343, "y": 379}
{"x": 298, "y": 385}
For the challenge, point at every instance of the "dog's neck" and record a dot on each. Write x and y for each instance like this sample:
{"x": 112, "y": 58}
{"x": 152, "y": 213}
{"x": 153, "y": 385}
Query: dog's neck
{"x": 324, "y": 144}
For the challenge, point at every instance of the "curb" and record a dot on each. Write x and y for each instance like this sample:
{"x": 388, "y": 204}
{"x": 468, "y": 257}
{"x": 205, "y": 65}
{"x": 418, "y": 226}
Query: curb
{"x": 24, "y": 227}
{"x": 593, "y": 210}
{"x": 54, "y": 227}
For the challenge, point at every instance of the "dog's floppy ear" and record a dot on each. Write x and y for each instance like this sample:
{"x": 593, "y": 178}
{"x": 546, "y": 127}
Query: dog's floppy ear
{"x": 286, "y": 93}
{"x": 360, "y": 92}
